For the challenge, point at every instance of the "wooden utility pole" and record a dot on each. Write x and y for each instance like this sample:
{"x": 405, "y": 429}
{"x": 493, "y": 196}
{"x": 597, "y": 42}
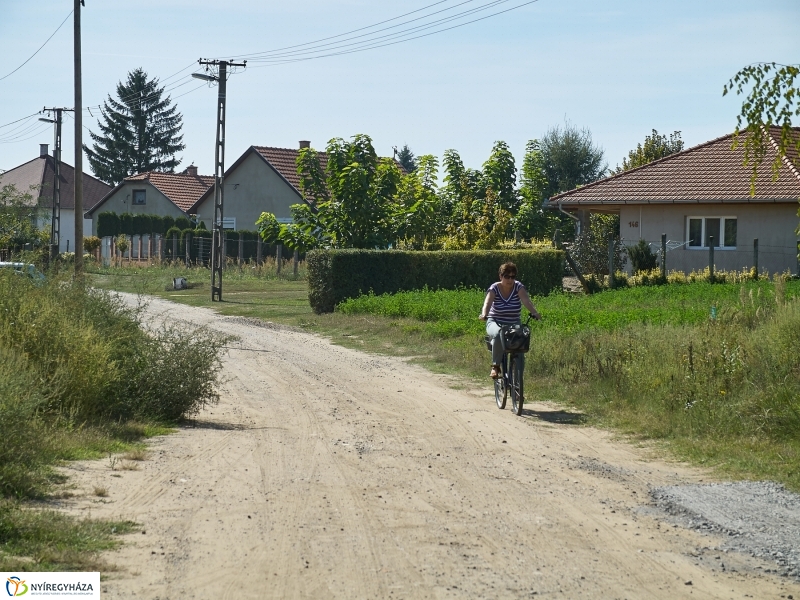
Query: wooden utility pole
{"x": 78, "y": 141}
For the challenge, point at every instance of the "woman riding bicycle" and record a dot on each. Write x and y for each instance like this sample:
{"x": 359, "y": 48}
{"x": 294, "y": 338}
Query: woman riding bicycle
{"x": 502, "y": 306}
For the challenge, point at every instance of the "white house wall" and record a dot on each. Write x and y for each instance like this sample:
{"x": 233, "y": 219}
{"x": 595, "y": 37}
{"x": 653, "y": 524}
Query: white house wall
{"x": 66, "y": 228}
{"x": 773, "y": 224}
{"x": 252, "y": 188}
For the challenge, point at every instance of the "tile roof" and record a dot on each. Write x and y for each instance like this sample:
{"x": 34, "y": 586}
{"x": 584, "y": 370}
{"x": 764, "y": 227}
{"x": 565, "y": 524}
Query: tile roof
{"x": 40, "y": 172}
{"x": 284, "y": 161}
{"x": 181, "y": 188}
{"x": 710, "y": 172}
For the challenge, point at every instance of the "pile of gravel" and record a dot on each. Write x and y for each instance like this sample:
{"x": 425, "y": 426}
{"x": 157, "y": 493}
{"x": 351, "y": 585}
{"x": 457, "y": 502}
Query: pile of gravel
{"x": 759, "y": 518}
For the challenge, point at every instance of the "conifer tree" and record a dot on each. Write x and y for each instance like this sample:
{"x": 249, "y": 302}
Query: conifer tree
{"x": 140, "y": 131}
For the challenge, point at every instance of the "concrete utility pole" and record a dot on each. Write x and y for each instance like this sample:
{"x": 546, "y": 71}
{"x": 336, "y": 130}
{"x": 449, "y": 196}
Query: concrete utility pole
{"x": 78, "y": 141}
{"x": 217, "y": 253}
{"x": 55, "y": 223}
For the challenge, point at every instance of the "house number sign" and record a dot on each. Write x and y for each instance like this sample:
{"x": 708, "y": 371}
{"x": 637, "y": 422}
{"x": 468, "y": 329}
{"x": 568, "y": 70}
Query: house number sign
{"x": 633, "y": 223}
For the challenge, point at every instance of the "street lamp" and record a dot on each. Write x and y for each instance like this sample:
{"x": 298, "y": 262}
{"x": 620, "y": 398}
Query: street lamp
{"x": 219, "y": 171}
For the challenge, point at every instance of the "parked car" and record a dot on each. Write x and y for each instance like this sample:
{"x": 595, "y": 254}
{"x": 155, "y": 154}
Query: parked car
{"x": 26, "y": 269}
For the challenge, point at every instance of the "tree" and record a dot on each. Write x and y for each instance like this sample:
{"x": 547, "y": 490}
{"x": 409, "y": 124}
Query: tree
{"x": 18, "y": 216}
{"x": 570, "y": 159}
{"x": 406, "y": 158}
{"x": 590, "y": 248}
{"x": 655, "y": 146}
{"x": 531, "y": 220}
{"x": 140, "y": 131}
{"x": 500, "y": 175}
{"x": 419, "y": 218}
{"x": 353, "y": 208}
{"x": 774, "y": 100}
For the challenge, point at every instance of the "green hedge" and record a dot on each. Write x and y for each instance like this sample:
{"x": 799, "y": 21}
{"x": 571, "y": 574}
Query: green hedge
{"x": 112, "y": 224}
{"x": 335, "y": 275}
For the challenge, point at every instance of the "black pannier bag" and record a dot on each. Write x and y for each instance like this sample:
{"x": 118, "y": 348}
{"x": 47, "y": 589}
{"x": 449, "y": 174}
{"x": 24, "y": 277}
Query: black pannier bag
{"x": 515, "y": 338}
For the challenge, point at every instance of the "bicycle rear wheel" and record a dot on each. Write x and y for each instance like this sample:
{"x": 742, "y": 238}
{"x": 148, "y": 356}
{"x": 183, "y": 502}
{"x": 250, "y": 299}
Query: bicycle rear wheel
{"x": 515, "y": 383}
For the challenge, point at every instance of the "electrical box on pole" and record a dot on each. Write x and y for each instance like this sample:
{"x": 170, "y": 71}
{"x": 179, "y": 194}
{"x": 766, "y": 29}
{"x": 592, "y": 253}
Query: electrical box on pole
{"x": 217, "y": 238}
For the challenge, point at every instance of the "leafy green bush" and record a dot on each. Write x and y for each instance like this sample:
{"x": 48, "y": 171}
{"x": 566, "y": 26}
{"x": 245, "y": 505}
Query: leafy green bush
{"x": 22, "y": 451}
{"x": 94, "y": 360}
{"x": 335, "y": 275}
{"x": 183, "y": 223}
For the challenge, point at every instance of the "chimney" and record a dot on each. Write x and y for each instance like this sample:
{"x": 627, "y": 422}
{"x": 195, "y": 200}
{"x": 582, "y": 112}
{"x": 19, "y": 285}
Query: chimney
{"x": 305, "y": 144}
{"x": 43, "y": 151}
{"x": 191, "y": 170}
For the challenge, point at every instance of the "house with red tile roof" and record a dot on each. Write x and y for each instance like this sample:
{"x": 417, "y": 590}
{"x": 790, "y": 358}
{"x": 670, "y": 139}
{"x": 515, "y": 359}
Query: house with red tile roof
{"x": 154, "y": 193}
{"x": 263, "y": 179}
{"x": 37, "y": 177}
{"x": 700, "y": 197}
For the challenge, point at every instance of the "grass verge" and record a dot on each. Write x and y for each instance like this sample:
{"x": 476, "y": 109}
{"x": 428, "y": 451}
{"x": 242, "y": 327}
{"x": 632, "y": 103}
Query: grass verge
{"x": 82, "y": 379}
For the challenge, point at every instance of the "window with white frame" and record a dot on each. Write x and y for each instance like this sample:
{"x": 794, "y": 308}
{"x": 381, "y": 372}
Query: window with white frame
{"x": 700, "y": 231}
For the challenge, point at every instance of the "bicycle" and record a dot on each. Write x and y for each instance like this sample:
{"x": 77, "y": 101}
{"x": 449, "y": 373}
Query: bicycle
{"x": 511, "y": 366}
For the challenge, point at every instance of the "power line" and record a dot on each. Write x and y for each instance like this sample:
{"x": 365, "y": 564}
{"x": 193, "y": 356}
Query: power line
{"x": 382, "y": 45}
{"x": 408, "y": 31}
{"x": 317, "y": 42}
{"x": 18, "y": 120}
{"x": 40, "y": 47}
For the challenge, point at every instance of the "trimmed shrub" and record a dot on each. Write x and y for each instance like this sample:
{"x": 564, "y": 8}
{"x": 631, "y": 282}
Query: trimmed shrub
{"x": 167, "y": 222}
{"x": 335, "y": 275}
{"x": 138, "y": 224}
{"x": 183, "y": 223}
{"x": 108, "y": 224}
{"x": 126, "y": 223}
{"x": 250, "y": 240}
{"x": 232, "y": 244}
{"x": 200, "y": 253}
{"x": 172, "y": 231}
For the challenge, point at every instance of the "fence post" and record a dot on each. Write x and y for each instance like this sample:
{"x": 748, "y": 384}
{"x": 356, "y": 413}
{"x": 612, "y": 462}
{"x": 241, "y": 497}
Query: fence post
{"x": 278, "y": 257}
{"x": 295, "y": 262}
{"x": 139, "y": 249}
{"x": 160, "y": 248}
{"x": 241, "y": 249}
{"x": 224, "y": 249}
{"x": 755, "y": 255}
{"x": 174, "y": 246}
{"x": 259, "y": 251}
{"x": 187, "y": 249}
{"x": 664, "y": 256}
{"x": 711, "y": 258}
{"x": 611, "y": 261}
{"x": 798, "y": 258}
{"x": 112, "y": 251}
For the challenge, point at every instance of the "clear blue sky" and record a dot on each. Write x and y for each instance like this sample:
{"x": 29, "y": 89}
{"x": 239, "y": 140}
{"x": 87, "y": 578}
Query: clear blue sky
{"x": 620, "y": 68}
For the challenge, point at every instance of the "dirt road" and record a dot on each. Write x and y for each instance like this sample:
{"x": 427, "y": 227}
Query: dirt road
{"x": 329, "y": 473}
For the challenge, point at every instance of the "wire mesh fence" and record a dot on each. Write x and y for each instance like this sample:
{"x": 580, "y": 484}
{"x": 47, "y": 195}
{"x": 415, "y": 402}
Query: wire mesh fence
{"x": 194, "y": 249}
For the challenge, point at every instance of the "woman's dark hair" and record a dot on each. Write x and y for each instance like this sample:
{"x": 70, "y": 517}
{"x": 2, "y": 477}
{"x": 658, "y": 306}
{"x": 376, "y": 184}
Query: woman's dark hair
{"x": 508, "y": 268}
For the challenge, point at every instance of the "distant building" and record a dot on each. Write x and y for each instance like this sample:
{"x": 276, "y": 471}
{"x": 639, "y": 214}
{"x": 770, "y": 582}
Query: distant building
{"x": 701, "y": 197}
{"x": 37, "y": 177}
{"x": 154, "y": 193}
{"x": 263, "y": 179}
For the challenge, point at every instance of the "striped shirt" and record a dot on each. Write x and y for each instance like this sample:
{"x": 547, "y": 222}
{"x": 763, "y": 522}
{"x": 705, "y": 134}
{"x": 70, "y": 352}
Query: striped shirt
{"x": 506, "y": 310}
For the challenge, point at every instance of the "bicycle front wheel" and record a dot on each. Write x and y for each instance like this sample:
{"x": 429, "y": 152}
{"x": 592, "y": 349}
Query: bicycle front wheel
{"x": 500, "y": 392}
{"x": 515, "y": 383}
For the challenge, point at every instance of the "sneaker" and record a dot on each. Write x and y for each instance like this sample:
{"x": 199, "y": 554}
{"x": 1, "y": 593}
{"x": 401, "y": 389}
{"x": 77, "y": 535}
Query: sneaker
{"x": 495, "y": 372}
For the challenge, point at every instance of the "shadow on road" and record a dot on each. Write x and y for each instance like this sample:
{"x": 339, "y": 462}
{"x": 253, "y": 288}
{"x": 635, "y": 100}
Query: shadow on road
{"x": 559, "y": 417}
